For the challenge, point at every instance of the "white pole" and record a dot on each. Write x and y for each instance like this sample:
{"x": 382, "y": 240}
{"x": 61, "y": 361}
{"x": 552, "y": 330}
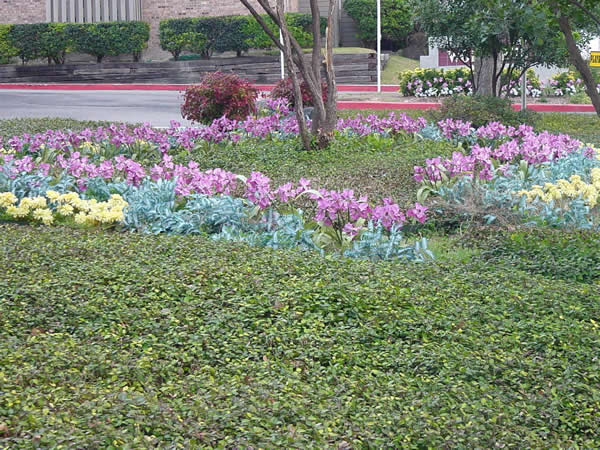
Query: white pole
{"x": 281, "y": 59}
{"x": 524, "y": 92}
{"x": 379, "y": 46}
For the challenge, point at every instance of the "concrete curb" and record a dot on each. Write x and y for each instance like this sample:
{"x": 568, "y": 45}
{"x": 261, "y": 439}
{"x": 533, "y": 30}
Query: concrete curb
{"x": 166, "y": 87}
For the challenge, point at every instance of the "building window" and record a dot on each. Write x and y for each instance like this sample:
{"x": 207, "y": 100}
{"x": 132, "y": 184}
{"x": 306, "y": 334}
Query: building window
{"x": 85, "y": 11}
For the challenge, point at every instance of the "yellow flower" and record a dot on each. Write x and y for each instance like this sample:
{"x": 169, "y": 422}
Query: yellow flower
{"x": 45, "y": 215}
{"x": 69, "y": 197}
{"x": 7, "y": 199}
{"x": 52, "y": 195}
{"x": 17, "y": 212}
{"x": 39, "y": 202}
{"x": 81, "y": 218}
{"x": 65, "y": 210}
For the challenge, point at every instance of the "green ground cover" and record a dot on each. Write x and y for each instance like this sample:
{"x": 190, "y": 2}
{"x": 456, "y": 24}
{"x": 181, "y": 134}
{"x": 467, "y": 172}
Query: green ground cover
{"x": 127, "y": 340}
{"x": 123, "y": 340}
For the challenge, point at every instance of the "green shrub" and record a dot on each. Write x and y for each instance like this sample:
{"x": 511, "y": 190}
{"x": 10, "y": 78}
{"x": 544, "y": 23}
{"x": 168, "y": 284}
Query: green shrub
{"x": 177, "y": 35}
{"x": 207, "y": 35}
{"x": 7, "y": 50}
{"x": 55, "y": 43}
{"x": 396, "y": 17}
{"x": 217, "y": 95}
{"x": 225, "y": 34}
{"x": 26, "y": 38}
{"x": 300, "y": 26}
{"x": 480, "y": 110}
{"x": 110, "y": 38}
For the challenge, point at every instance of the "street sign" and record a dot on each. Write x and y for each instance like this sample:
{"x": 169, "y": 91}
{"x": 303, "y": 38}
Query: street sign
{"x": 595, "y": 59}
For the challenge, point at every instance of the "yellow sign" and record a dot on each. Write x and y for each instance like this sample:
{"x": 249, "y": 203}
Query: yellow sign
{"x": 595, "y": 59}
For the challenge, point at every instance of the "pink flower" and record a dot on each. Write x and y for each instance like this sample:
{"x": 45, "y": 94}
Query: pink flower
{"x": 418, "y": 212}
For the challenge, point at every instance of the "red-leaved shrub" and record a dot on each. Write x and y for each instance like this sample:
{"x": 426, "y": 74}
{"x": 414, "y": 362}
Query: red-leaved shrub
{"x": 219, "y": 94}
{"x": 284, "y": 89}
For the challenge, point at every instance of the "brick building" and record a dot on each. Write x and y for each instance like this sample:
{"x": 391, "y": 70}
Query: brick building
{"x": 151, "y": 11}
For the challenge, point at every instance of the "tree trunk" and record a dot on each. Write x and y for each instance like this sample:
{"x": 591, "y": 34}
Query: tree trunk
{"x": 578, "y": 61}
{"x": 328, "y": 126}
{"x": 324, "y": 113}
{"x": 485, "y": 76}
{"x": 287, "y": 53}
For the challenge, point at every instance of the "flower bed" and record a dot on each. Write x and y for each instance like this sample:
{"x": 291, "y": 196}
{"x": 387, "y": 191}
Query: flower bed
{"x": 96, "y": 177}
{"x": 443, "y": 83}
{"x": 549, "y": 179}
{"x": 117, "y": 176}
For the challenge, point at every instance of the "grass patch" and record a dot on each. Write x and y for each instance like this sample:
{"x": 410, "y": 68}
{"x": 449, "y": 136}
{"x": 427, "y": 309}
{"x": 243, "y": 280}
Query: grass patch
{"x": 351, "y": 50}
{"x": 585, "y": 127}
{"x": 394, "y": 66}
{"x": 115, "y": 339}
{"x": 376, "y": 166}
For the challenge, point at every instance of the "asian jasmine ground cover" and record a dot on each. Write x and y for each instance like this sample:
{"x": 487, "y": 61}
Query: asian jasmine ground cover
{"x": 203, "y": 343}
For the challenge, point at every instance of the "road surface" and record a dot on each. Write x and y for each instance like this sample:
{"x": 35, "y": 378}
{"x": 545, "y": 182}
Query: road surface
{"x": 156, "y": 107}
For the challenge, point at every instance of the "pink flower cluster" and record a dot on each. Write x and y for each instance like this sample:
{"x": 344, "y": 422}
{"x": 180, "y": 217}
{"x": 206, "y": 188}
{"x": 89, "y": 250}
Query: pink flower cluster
{"x": 496, "y": 130}
{"x": 452, "y": 128}
{"x": 342, "y": 210}
{"x": 516, "y": 144}
{"x": 392, "y": 124}
{"x": 120, "y": 136}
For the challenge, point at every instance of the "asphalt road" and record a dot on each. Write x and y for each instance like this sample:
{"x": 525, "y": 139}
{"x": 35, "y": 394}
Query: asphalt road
{"x": 156, "y": 107}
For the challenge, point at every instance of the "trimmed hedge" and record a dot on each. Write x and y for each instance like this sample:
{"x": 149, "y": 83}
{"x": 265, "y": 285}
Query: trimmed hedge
{"x": 7, "y": 49}
{"x": 207, "y": 35}
{"x": 53, "y": 41}
{"x": 110, "y": 39}
{"x": 41, "y": 40}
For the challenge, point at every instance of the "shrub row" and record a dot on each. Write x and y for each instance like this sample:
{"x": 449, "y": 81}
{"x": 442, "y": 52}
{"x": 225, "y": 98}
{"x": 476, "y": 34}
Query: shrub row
{"x": 53, "y": 41}
{"x": 206, "y": 35}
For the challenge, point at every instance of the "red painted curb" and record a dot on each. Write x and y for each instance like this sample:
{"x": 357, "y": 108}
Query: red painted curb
{"x": 167, "y": 87}
{"x": 96, "y": 87}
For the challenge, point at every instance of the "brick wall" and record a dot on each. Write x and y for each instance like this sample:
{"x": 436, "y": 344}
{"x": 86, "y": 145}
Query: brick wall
{"x": 22, "y": 11}
{"x": 153, "y": 11}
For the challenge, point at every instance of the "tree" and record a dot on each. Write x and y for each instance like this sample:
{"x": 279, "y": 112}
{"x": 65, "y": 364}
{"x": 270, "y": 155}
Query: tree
{"x": 583, "y": 16}
{"x": 324, "y": 118}
{"x": 494, "y": 38}
{"x": 396, "y": 20}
